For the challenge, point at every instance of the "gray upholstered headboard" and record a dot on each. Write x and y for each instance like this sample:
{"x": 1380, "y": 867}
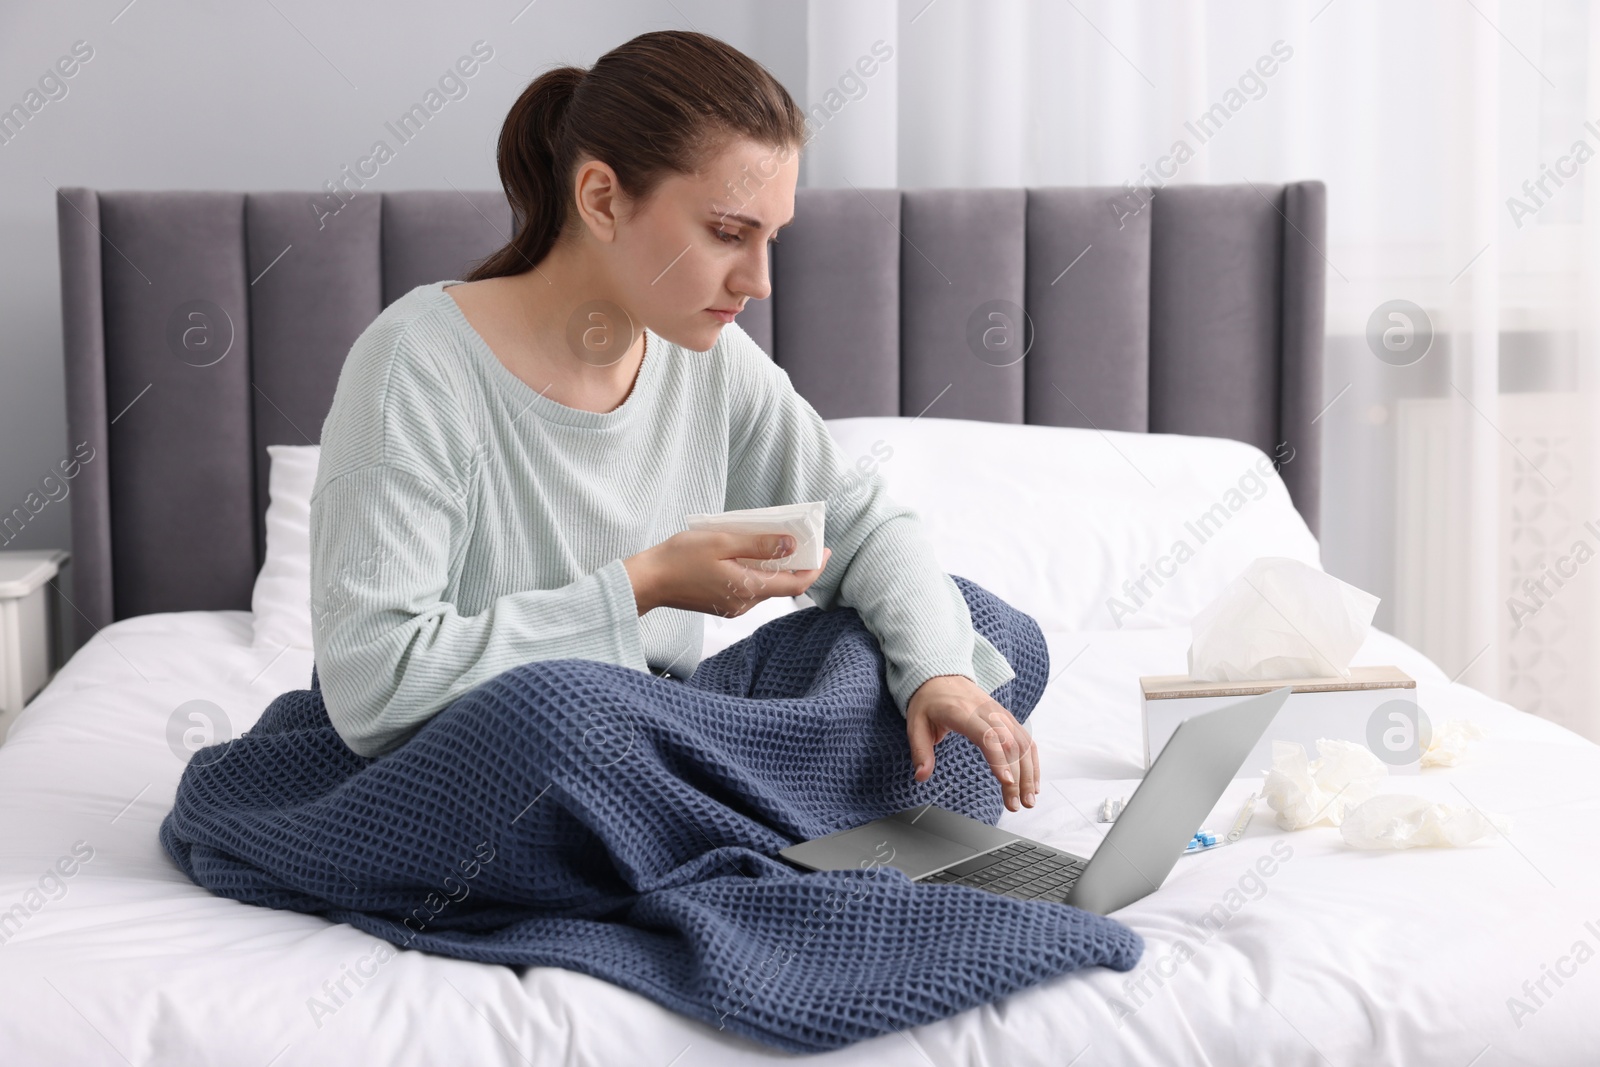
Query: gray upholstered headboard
{"x": 201, "y": 327}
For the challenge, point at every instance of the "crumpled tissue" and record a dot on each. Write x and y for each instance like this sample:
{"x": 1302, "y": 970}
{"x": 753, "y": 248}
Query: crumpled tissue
{"x": 804, "y": 522}
{"x": 1280, "y": 619}
{"x": 1341, "y": 788}
{"x": 1448, "y": 742}
{"x": 1304, "y": 791}
{"x": 1396, "y": 820}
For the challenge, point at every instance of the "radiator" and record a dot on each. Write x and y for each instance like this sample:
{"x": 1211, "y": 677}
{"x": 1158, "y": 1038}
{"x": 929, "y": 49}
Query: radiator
{"x": 1548, "y": 555}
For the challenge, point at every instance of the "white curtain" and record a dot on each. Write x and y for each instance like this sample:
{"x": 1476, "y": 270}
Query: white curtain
{"x": 1460, "y": 142}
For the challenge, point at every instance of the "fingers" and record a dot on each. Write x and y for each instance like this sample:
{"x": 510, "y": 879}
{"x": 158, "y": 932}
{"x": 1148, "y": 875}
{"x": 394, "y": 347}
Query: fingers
{"x": 765, "y": 583}
{"x": 807, "y": 577}
{"x": 757, "y": 546}
{"x": 919, "y": 731}
{"x": 1013, "y": 758}
{"x": 1038, "y": 776}
{"x": 1010, "y": 752}
{"x": 1023, "y": 752}
{"x": 999, "y": 750}
{"x": 732, "y": 546}
{"x": 1030, "y": 768}
{"x": 1026, "y": 754}
{"x": 749, "y": 586}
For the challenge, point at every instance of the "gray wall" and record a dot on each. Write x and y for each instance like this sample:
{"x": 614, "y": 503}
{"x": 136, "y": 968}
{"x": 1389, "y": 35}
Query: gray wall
{"x": 261, "y": 95}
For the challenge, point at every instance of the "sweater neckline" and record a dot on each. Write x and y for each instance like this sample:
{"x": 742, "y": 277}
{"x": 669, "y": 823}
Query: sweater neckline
{"x": 524, "y": 397}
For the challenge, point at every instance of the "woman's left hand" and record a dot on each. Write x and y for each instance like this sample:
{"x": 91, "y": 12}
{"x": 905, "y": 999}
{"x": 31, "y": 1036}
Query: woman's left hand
{"x": 954, "y": 702}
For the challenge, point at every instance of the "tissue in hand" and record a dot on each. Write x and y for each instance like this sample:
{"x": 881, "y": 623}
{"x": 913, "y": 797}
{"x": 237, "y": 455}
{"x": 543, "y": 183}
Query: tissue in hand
{"x": 1280, "y": 619}
{"x": 803, "y": 522}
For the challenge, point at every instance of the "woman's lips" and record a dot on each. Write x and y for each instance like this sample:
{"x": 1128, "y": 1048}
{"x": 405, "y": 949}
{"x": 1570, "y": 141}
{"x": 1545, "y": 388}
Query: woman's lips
{"x": 725, "y": 316}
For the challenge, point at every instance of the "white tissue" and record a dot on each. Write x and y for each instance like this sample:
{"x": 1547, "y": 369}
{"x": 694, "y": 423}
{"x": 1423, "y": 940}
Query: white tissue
{"x": 1341, "y": 788}
{"x": 1448, "y": 742}
{"x": 1280, "y": 619}
{"x": 804, "y": 522}
{"x": 1393, "y": 820}
{"x": 1304, "y": 792}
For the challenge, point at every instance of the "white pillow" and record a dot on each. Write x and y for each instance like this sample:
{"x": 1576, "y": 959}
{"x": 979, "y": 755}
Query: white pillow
{"x": 1056, "y": 520}
{"x": 281, "y": 599}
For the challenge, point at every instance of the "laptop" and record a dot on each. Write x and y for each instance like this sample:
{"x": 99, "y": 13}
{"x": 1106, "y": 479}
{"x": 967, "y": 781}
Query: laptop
{"x": 935, "y": 845}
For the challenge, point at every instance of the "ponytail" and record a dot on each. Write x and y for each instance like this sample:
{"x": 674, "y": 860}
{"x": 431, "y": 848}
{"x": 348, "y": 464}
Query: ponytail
{"x": 654, "y": 106}
{"x": 530, "y": 148}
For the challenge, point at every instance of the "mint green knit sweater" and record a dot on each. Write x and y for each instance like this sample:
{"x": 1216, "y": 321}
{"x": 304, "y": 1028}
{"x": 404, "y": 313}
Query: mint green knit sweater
{"x": 462, "y": 523}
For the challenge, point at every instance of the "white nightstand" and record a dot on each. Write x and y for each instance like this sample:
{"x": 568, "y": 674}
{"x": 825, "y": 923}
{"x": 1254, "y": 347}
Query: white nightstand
{"x": 28, "y": 624}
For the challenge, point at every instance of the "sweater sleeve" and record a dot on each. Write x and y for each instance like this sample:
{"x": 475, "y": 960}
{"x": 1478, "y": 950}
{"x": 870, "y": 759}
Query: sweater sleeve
{"x": 390, "y": 652}
{"x": 780, "y": 452}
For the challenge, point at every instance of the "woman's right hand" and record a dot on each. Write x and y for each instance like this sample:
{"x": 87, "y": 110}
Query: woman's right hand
{"x": 699, "y": 570}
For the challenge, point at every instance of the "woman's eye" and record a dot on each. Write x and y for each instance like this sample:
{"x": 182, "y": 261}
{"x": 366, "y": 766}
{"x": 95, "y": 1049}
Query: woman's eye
{"x": 732, "y": 238}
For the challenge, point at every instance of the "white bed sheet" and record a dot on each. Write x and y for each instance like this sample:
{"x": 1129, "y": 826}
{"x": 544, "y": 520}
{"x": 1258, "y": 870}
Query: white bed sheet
{"x": 1342, "y": 957}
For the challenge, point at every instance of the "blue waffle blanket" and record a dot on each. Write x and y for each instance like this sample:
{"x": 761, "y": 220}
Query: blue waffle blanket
{"x": 578, "y": 814}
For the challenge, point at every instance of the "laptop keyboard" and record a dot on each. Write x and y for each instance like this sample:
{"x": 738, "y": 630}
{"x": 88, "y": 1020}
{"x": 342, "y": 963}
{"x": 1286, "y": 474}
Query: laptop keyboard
{"x": 1021, "y": 870}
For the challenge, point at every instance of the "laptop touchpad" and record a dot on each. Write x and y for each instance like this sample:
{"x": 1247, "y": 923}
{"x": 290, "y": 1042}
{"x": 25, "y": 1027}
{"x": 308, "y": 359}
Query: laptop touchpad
{"x": 877, "y": 844}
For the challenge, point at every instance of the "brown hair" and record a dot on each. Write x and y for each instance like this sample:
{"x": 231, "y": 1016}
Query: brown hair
{"x": 659, "y": 104}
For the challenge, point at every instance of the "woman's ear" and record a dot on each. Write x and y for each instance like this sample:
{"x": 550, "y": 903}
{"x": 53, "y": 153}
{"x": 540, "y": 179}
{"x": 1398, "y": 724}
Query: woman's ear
{"x": 598, "y": 198}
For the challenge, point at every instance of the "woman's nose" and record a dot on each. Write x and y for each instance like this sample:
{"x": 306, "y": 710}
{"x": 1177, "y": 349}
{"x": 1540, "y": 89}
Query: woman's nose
{"x": 753, "y": 278}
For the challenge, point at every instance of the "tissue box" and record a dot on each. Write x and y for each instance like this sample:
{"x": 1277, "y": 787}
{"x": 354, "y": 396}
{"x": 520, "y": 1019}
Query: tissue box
{"x": 1375, "y": 706}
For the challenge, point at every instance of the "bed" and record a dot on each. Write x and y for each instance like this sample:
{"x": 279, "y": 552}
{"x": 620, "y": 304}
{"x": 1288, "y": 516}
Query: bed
{"x": 1186, "y": 356}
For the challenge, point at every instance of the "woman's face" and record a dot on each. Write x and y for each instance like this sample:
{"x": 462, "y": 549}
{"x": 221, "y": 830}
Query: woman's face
{"x": 699, "y": 244}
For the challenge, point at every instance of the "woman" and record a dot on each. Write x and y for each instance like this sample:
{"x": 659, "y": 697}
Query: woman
{"x": 499, "y": 565}
{"x": 508, "y": 460}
